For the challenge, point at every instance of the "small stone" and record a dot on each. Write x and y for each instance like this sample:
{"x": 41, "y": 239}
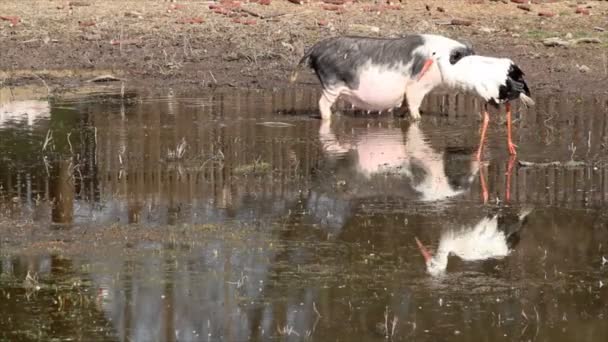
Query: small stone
{"x": 583, "y": 68}
{"x": 568, "y": 35}
{"x": 547, "y": 14}
{"x": 556, "y": 41}
{"x": 581, "y": 10}
{"x": 524, "y": 7}
{"x": 461, "y": 22}
{"x": 588, "y": 40}
{"x": 134, "y": 14}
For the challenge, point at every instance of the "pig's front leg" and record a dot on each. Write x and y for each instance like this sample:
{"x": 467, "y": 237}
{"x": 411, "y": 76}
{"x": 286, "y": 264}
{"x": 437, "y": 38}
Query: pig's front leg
{"x": 328, "y": 97}
{"x": 415, "y": 93}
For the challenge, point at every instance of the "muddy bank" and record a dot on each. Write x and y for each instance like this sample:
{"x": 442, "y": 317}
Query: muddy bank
{"x": 203, "y": 44}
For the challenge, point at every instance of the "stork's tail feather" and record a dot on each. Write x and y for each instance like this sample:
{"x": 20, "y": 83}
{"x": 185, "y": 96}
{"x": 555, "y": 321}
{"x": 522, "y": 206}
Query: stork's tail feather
{"x": 526, "y": 100}
{"x": 305, "y": 60}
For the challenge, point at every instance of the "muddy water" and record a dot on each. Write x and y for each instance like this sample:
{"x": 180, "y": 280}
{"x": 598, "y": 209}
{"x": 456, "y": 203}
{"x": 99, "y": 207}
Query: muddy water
{"x": 234, "y": 216}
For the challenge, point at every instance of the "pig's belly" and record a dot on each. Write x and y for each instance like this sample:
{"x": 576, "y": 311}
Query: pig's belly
{"x": 378, "y": 90}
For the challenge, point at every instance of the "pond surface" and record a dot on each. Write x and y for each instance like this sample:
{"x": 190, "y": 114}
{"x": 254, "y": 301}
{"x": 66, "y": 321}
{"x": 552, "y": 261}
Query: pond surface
{"x": 232, "y": 215}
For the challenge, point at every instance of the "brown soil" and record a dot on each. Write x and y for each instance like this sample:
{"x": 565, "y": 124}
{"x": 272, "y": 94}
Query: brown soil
{"x": 187, "y": 44}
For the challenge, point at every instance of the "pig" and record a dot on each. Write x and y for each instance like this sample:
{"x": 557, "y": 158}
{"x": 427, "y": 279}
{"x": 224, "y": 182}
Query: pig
{"x": 379, "y": 73}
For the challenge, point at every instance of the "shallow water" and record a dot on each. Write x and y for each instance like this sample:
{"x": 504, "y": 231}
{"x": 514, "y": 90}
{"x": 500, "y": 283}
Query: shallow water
{"x": 235, "y": 215}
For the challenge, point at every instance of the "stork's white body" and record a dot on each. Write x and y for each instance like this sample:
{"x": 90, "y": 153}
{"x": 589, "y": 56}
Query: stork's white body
{"x": 479, "y": 74}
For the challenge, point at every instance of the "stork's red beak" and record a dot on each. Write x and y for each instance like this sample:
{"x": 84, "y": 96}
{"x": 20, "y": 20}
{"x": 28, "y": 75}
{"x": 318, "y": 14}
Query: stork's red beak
{"x": 425, "y": 252}
{"x": 427, "y": 64}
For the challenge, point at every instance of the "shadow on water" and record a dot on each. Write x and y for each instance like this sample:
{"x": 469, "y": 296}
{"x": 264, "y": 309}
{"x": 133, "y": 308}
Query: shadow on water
{"x": 234, "y": 215}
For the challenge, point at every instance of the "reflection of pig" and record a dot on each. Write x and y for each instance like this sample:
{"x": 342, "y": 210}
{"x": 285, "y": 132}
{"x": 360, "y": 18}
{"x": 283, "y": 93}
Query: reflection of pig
{"x": 386, "y": 151}
{"x": 377, "y": 73}
{"x": 393, "y": 162}
{"x": 30, "y": 110}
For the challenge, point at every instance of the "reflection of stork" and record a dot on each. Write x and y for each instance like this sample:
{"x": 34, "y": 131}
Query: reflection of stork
{"x": 493, "y": 236}
{"x": 386, "y": 151}
{"x": 30, "y": 110}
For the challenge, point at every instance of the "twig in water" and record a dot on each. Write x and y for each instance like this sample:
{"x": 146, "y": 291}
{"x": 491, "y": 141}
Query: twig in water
{"x": 48, "y": 89}
{"x": 537, "y": 322}
{"x": 287, "y": 330}
{"x": 572, "y": 149}
{"x": 47, "y": 140}
{"x": 394, "y": 325}
{"x": 314, "y": 307}
{"x": 386, "y": 322}
{"x": 120, "y": 153}
{"x": 70, "y": 143}
{"x": 46, "y": 165}
{"x": 571, "y": 163}
{"x": 95, "y": 155}
{"x": 212, "y": 77}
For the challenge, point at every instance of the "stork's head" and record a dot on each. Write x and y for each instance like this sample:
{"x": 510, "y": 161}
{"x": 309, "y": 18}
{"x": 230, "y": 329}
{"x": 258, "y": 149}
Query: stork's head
{"x": 445, "y": 57}
{"x": 435, "y": 265}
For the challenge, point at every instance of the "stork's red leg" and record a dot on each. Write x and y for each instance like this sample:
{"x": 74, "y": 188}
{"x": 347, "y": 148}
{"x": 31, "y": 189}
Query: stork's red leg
{"x": 510, "y": 143}
{"x": 484, "y": 128}
{"x": 484, "y": 186}
{"x": 508, "y": 180}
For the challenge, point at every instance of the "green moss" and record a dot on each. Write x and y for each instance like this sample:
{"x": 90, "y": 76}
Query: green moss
{"x": 540, "y": 34}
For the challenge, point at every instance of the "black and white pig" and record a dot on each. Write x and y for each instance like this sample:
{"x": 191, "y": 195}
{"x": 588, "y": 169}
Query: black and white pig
{"x": 377, "y": 73}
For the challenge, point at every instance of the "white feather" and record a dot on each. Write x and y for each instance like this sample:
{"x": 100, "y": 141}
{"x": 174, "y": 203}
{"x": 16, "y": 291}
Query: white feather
{"x": 526, "y": 100}
{"x": 480, "y": 74}
{"x": 481, "y": 242}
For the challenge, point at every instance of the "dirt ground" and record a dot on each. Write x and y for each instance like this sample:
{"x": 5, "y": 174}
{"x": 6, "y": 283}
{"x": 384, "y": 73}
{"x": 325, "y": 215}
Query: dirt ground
{"x": 256, "y": 44}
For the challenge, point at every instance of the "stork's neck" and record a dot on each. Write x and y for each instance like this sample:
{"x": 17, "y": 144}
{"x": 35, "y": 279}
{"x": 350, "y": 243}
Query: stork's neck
{"x": 439, "y": 262}
{"x": 457, "y": 76}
